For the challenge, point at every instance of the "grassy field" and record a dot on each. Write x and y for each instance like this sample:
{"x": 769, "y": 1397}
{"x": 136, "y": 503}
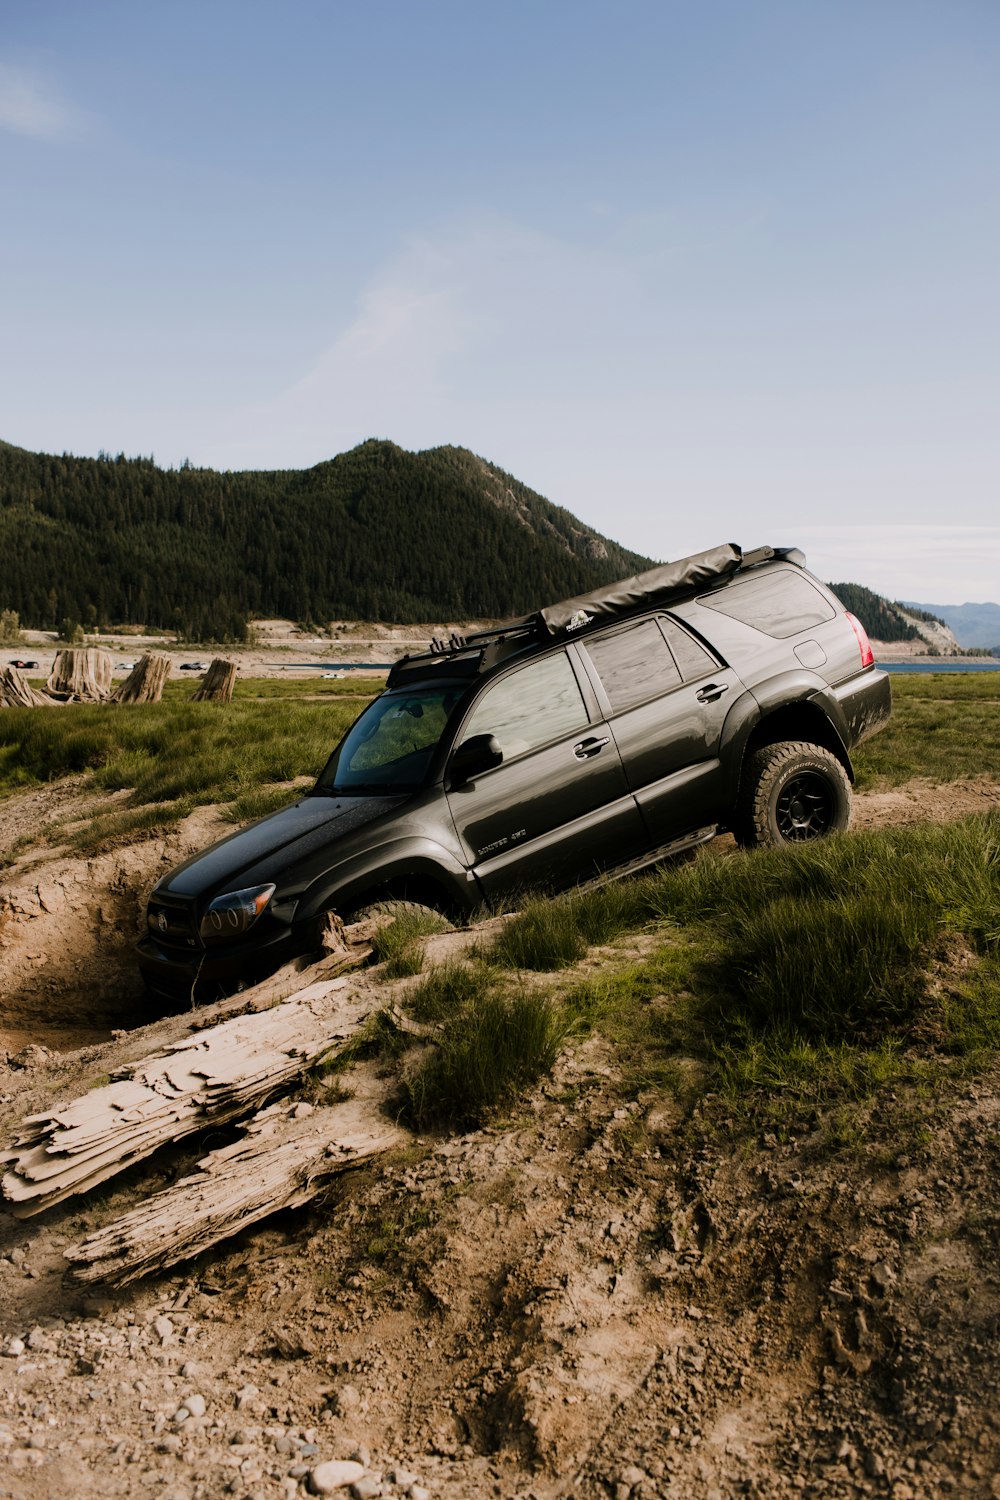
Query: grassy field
{"x": 784, "y": 982}
{"x": 170, "y": 757}
{"x": 944, "y": 726}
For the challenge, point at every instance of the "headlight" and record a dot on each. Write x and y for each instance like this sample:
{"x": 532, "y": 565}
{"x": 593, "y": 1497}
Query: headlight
{"x": 229, "y": 916}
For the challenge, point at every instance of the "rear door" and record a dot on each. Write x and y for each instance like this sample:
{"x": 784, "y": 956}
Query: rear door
{"x": 559, "y": 807}
{"x": 667, "y": 698}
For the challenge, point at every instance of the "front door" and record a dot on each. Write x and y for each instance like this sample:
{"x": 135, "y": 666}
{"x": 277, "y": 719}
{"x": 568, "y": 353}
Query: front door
{"x": 558, "y": 808}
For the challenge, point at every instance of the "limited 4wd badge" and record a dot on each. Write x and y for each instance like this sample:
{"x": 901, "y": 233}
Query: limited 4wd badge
{"x": 501, "y": 843}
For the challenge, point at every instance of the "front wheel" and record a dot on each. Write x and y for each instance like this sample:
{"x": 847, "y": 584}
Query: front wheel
{"x": 791, "y": 793}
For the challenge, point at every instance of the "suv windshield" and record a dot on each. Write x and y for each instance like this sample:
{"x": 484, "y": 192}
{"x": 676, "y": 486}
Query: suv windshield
{"x": 391, "y": 746}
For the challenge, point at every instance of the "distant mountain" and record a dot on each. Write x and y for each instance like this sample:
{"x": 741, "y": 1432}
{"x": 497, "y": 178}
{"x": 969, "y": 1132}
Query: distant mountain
{"x": 892, "y": 622}
{"x": 375, "y": 533}
{"x": 973, "y": 624}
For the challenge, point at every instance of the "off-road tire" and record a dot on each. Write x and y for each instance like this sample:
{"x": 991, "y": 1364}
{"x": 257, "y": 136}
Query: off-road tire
{"x": 395, "y": 907}
{"x": 791, "y": 793}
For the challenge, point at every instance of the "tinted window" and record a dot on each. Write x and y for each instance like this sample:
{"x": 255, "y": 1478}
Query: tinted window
{"x": 634, "y": 665}
{"x": 692, "y": 658}
{"x": 530, "y": 707}
{"x": 393, "y": 742}
{"x": 779, "y": 604}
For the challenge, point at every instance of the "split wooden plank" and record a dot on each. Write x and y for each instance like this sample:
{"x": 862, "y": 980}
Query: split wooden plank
{"x": 218, "y": 1074}
{"x": 288, "y": 1153}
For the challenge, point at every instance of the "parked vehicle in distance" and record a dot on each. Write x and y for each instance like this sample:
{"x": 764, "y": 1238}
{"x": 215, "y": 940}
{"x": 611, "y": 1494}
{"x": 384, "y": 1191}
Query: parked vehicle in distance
{"x": 593, "y": 738}
{"x": 23, "y": 666}
{"x": 193, "y": 666}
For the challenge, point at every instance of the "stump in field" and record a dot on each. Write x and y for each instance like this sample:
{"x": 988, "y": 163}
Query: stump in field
{"x": 82, "y": 675}
{"x": 144, "y": 684}
{"x": 17, "y": 692}
{"x": 217, "y": 684}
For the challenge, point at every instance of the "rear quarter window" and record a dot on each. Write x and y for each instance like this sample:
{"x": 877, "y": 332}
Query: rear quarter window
{"x": 778, "y": 604}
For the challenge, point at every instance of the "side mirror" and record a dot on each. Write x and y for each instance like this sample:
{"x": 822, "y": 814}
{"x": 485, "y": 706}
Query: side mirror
{"x": 473, "y": 757}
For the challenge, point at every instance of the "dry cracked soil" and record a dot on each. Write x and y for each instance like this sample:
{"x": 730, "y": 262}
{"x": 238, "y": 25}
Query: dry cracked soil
{"x": 598, "y": 1298}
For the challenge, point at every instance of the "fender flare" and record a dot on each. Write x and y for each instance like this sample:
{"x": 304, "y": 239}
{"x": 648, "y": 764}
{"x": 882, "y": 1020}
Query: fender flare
{"x": 346, "y": 884}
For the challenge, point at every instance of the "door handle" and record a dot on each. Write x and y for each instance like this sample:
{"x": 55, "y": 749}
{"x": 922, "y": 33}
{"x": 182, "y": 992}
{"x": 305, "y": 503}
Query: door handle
{"x": 586, "y": 748}
{"x": 711, "y": 691}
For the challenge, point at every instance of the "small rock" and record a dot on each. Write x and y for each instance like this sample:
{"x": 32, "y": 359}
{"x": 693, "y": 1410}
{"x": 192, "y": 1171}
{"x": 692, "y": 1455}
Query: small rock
{"x": 366, "y": 1488}
{"x": 195, "y": 1405}
{"x": 163, "y": 1328}
{"x": 346, "y": 1400}
{"x": 14, "y": 1348}
{"x": 335, "y": 1474}
{"x": 169, "y": 1444}
{"x": 417, "y": 1492}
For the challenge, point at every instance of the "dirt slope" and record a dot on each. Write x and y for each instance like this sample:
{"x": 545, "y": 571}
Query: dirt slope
{"x": 601, "y": 1299}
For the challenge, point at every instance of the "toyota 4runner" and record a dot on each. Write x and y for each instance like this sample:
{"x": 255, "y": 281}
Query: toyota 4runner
{"x": 593, "y": 738}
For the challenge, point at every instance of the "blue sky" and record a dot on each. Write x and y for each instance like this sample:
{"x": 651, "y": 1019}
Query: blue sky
{"x": 699, "y": 272}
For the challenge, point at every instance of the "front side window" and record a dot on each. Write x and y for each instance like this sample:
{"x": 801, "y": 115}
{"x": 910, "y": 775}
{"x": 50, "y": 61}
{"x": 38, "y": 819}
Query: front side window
{"x": 634, "y": 665}
{"x": 530, "y": 707}
{"x": 391, "y": 746}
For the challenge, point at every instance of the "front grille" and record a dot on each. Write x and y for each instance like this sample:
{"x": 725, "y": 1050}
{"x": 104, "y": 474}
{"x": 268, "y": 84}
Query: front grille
{"x": 172, "y": 925}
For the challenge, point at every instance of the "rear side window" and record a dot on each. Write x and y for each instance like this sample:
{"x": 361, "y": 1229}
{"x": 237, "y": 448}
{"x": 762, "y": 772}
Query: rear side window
{"x": 634, "y": 665}
{"x": 780, "y": 604}
{"x": 692, "y": 658}
{"x": 530, "y": 707}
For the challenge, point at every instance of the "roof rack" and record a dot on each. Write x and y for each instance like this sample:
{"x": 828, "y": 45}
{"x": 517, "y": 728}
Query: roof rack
{"x": 482, "y": 649}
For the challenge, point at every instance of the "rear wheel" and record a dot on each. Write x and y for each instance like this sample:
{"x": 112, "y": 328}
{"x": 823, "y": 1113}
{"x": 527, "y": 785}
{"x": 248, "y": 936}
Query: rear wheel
{"x": 791, "y": 793}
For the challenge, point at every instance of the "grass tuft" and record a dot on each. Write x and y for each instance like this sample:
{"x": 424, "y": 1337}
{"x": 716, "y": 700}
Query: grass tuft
{"x": 499, "y": 1045}
{"x": 447, "y": 989}
{"x": 397, "y": 945}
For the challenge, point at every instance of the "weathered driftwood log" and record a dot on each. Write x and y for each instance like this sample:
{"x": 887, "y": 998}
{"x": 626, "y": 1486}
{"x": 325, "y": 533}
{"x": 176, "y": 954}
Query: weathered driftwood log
{"x": 144, "y": 684}
{"x": 217, "y": 684}
{"x": 286, "y": 1155}
{"x": 82, "y": 674}
{"x": 218, "y": 1074}
{"x": 17, "y": 692}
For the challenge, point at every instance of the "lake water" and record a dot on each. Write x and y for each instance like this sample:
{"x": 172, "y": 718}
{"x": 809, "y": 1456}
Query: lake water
{"x": 953, "y": 665}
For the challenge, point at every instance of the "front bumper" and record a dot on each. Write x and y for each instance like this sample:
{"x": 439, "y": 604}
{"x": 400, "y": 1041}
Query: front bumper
{"x": 203, "y": 973}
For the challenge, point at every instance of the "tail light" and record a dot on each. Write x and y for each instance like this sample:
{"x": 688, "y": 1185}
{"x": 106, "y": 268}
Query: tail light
{"x": 867, "y": 654}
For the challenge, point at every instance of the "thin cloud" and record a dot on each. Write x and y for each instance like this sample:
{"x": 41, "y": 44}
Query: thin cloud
{"x": 30, "y": 105}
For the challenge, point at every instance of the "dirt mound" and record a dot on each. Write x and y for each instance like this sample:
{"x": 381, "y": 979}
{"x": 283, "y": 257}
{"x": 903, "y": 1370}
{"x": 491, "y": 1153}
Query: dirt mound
{"x": 604, "y": 1298}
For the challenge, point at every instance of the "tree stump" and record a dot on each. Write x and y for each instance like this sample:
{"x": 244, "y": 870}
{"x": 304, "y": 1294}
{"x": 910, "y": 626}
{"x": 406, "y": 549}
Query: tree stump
{"x": 144, "y": 684}
{"x": 17, "y": 692}
{"x": 217, "y": 684}
{"x": 81, "y": 675}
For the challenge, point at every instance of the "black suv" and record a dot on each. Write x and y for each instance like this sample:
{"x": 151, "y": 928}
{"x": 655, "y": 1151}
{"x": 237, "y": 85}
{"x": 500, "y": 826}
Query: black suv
{"x": 600, "y": 735}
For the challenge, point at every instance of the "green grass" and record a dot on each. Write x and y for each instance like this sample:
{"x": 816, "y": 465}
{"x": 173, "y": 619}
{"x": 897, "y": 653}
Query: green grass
{"x": 804, "y": 977}
{"x": 397, "y": 945}
{"x": 498, "y": 1045}
{"x": 547, "y": 935}
{"x": 176, "y": 755}
{"x": 943, "y": 726}
{"x": 448, "y": 987}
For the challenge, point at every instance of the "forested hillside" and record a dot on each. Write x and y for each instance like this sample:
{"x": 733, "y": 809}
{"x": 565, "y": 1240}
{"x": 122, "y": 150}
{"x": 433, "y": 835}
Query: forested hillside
{"x": 376, "y": 533}
{"x": 883, "y": 620}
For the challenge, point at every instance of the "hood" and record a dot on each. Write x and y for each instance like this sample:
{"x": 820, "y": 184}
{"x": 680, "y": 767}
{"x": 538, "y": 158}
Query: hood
{"x": 266, "y": 850}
